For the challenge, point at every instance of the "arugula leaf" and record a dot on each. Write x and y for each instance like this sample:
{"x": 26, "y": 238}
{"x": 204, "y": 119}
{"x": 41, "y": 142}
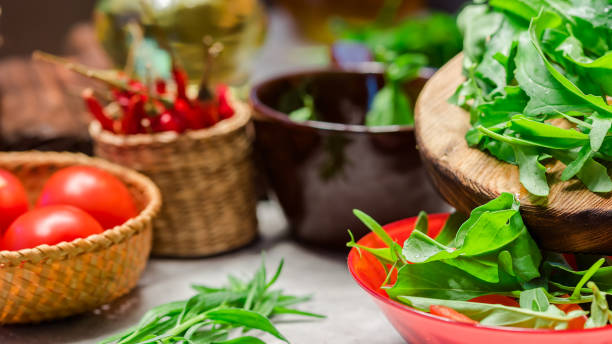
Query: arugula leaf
{"x": 575, "y": 166}
{"x": 550, "y": 19}
{"x": 545, "y": 92}
{"x": 564, "y": 276}
{"x": 532, "y": 173}
{"x": 422, "y": 223}
{"x": 439, "y": 280}
{"x": 599, "y": 130}
{"x": 451, "y": 226}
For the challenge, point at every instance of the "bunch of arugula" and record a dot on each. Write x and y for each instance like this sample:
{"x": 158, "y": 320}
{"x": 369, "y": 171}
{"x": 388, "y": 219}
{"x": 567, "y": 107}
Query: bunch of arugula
{"x": 528, "y": 63}
{"x": 214, "y": 314}
{"x": 491, "y": 253}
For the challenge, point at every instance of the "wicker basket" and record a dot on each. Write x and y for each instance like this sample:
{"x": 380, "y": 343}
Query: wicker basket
{"x": 49, "y": 282}
{"x": 205, "y": 177}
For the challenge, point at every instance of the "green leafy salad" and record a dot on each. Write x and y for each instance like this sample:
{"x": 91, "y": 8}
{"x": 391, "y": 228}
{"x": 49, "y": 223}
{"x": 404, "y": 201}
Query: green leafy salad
{"x": 487, "y": 269}
{"x": 539, "y": 80}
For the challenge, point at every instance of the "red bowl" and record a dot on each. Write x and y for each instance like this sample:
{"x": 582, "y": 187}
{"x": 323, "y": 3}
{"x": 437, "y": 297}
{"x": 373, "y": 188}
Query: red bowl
{"x": 420, "y": 327}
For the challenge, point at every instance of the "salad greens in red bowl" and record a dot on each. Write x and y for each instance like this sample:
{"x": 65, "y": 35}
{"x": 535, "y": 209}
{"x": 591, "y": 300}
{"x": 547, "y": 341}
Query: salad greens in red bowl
{"x": 482, "y": 278}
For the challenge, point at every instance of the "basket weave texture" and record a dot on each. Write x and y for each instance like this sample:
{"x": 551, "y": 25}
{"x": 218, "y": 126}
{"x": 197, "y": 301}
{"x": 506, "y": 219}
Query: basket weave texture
{"x": 49, "y": 282}
{"x": 206, "y": 178}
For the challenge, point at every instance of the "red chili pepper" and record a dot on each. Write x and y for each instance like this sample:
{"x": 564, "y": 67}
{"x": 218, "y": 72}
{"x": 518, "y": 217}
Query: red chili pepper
{"x": 122, "y": 98}
{"x": 496, "y": 300}
{"x": 183, "y": 110}
{"x": 160, "y": 86}
{"x": 136, "y": 86}
{"x": 167, "y": 122}
{"x": 451, "y": 314}
{"x": 180, "y": 78}
{"x": 207, "y": 111}
{"x": 130, "y": 122}
{"x": 225, "y": 109}
{"x": 96, "y": 109}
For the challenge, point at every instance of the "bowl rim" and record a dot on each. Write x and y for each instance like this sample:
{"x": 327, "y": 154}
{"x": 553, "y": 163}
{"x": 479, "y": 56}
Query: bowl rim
{"x": 264, "y": 112}
{"x": 386, "y": 300}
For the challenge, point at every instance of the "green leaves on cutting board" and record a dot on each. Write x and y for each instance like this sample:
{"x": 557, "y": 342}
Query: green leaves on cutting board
{"x": 542, "y": 60}
{"x": 491, "y": 253}
{"x": 215, "y": 315}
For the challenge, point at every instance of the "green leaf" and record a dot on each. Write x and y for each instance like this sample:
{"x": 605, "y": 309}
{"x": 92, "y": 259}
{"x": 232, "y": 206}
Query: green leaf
{"x": 405, "y": 67}
{"x": 395, "y": 248}
{"x": 575, "y": 166}
{"x": 306, "y": 113}
{"x": 534, "y": 299}
{"x": 390, "y": 107}
{"x": 564, "y": 276}
{"x": 600, "y": 128}
{"x": 593, "y": 174}
{"x": 439, "y": 280}
{"x": 546, "y": 94}
{"x": 548, "y": 134}
{"x": 419, "y": 247}
{"x": 242, "y": 340}
{"x": 532, "y": 173}
{"x": 586, "y": 277}
{"x": 284, "y": 310}
{"x": 498, "y": 315}
{"x": 247, "y": 319}
{"x": 422, "y": 223}
{"x": 451, "y": 226}
{"x": 547, "y": 20}
{"x": 384, "y": 255}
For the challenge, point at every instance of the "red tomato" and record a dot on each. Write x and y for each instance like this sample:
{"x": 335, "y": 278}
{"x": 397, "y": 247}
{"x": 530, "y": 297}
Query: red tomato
{"x": 576, "y": 323}
{"x": 13, "y": 199}
{"x": 496, "y": 300}
{"x": 95, "y": 191}
{"x": 449, "y": 313}
{"x": 49, "y": 225}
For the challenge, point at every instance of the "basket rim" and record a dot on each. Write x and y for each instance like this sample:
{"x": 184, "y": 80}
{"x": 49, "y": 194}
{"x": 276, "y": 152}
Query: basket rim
{"x": 241, "y": 117}
{"x": 110, "y": 237}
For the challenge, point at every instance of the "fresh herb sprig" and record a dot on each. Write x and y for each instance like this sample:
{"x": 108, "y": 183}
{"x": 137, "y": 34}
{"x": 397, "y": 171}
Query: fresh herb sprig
{"x": 214, "y": 315}
{"x": 490, "y": 253}
{"x": 528, "y": 64}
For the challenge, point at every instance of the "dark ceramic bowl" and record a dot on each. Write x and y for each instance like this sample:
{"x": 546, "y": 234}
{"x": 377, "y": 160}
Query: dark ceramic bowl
{"x": 321, "y": 170}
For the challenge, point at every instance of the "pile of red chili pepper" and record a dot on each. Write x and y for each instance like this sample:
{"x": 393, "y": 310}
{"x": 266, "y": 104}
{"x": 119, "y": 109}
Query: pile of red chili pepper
{"x": 151, "y": 107}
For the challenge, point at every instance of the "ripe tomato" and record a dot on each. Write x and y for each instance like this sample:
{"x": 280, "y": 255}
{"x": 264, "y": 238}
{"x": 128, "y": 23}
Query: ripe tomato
{"x": 13, "y": 199}
{"x": 95, "y": 191}
{"x": 449, "y": 313}
{"x": 49, "y": 225}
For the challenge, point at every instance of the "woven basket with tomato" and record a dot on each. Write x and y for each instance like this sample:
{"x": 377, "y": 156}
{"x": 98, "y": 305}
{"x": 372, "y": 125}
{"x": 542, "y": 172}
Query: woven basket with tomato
{"x": 84, "y": 242}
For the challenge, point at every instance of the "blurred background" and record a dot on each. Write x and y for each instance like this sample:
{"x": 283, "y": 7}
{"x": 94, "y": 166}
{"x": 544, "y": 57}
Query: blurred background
{"x": 261, "y": 38}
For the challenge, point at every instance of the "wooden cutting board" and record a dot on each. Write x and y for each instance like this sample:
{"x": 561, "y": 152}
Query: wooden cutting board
{"x": 570, "y": 219}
